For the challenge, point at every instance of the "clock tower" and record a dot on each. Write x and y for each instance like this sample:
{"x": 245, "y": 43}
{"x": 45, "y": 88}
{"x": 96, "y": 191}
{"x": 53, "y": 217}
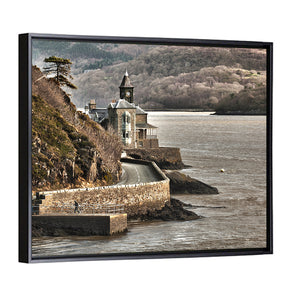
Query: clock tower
{"x": 126, "y": 89}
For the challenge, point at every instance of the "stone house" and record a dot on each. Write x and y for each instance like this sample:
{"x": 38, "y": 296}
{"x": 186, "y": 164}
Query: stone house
{"x": 128, "y": 119}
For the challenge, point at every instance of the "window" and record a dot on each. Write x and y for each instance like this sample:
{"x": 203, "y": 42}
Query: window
{"x": 125, "y": 135}
{"x": 126, "y": 117}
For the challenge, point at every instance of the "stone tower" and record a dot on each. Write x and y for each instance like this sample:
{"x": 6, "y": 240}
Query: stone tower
{"x": 126, "y": 89}
{"x": 122, "y": 117}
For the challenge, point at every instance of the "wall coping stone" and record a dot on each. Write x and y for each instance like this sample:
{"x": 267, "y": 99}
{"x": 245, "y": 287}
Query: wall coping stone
{"x": 137, "y": 161}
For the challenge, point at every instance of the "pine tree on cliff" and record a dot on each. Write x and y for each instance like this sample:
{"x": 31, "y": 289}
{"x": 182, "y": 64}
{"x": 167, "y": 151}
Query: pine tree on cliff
{"x": 61, "y": 68}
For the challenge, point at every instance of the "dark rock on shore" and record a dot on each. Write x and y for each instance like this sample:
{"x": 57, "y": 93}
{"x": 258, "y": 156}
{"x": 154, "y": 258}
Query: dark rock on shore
{"x": 187, "y": 166}
{"x": 183, "y": 184}
{"x": 172, "y": 211}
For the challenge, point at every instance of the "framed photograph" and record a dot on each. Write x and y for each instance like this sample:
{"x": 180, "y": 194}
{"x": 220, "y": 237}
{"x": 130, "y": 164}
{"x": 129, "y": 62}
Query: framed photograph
{"x": 143, "y": 148}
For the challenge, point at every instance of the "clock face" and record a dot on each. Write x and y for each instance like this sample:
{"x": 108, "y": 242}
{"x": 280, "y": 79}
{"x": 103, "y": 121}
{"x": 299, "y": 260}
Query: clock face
{"x": 127, "y": 94}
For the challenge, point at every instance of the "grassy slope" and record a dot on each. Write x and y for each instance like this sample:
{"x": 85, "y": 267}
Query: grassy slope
{"x": 77, "y": 149}
{"x": 56, "y": 145}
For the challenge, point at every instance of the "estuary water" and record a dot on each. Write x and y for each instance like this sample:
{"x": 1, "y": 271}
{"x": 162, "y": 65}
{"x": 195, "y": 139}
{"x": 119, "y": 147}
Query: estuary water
{"x": 233, "y": 219}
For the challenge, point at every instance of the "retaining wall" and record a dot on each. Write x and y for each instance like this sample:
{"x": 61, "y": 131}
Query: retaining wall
{"x": 138, "y": 199}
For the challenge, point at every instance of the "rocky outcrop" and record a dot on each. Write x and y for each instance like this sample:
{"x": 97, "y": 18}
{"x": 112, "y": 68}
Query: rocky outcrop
{"x": 61, "y": 156}
{"x": 165, "y": 157}
{"x": 69, "y": 149}
{"x": 172, "y": 211}
{"x": 183, "y": 184}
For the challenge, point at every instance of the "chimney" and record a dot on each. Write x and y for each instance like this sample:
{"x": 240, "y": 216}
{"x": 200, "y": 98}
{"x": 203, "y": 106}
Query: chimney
{"x": 92, "y": 104}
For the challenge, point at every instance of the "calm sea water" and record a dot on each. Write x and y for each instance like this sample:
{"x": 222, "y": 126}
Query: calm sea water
{"x": 235, "y": 218}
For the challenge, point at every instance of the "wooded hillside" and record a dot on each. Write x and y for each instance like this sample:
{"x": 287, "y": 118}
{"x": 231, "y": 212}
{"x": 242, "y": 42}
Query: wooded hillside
{"x": 165, "y": 77}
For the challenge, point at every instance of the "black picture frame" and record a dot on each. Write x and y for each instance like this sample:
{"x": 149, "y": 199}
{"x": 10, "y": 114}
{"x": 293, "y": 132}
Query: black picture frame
{"x": 25, "y": 66}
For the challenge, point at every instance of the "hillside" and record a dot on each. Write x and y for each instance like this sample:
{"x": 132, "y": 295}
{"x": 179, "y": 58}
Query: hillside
{"x": 68, "y": 149}
{"x": 165, "y": 77}
{"x": 247, "y": 101}
{"x": 86, "y": 56}
{"x": 180, "y": 79}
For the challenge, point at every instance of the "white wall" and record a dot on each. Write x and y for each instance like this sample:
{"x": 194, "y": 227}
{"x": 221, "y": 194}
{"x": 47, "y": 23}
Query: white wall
{"x": 252, "y": 277}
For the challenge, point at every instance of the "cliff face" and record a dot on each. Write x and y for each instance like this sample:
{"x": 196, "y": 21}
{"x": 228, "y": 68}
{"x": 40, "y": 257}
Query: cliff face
{"x": 68, "y": 148}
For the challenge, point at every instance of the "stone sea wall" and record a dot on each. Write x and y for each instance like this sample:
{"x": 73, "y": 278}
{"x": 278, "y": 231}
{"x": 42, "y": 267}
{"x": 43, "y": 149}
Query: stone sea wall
{"x": 136, "y": 199}
{"x": 79, "y": 224}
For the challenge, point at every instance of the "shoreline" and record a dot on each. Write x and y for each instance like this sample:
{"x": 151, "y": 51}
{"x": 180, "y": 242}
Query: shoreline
{"x": 210, "y": 112}
{"x": 178, "y": 110}
{"x": 174, "y": 210}
{"x": 232, "y": 113}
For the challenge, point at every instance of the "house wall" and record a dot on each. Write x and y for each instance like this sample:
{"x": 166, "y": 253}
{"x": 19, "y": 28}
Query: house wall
{"x": 141, "y": 119}
{"x": 115, "y": 119}
{"x": 150, "y": 143}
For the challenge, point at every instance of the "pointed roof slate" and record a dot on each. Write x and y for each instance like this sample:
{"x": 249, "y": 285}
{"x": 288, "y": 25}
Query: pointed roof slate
{"x": 122, "y": 104}
{"x": 126, "y": 81}
{"x": 140, "y": 111}
{"x": 145, "y": 126}
{"x": 101, "y": 113}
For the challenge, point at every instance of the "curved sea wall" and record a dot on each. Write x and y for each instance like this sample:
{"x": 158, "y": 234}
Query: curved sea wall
{"x": 137, "y": 199}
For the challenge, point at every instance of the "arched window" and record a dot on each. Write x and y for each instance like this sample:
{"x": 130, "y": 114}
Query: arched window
{"x": 126, "y": 117}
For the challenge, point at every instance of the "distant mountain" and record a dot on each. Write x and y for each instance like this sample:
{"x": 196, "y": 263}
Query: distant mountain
{"x": 177, "y": 77}
{"x": 84, "y": 55}
{"x": 165, "y": 77}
